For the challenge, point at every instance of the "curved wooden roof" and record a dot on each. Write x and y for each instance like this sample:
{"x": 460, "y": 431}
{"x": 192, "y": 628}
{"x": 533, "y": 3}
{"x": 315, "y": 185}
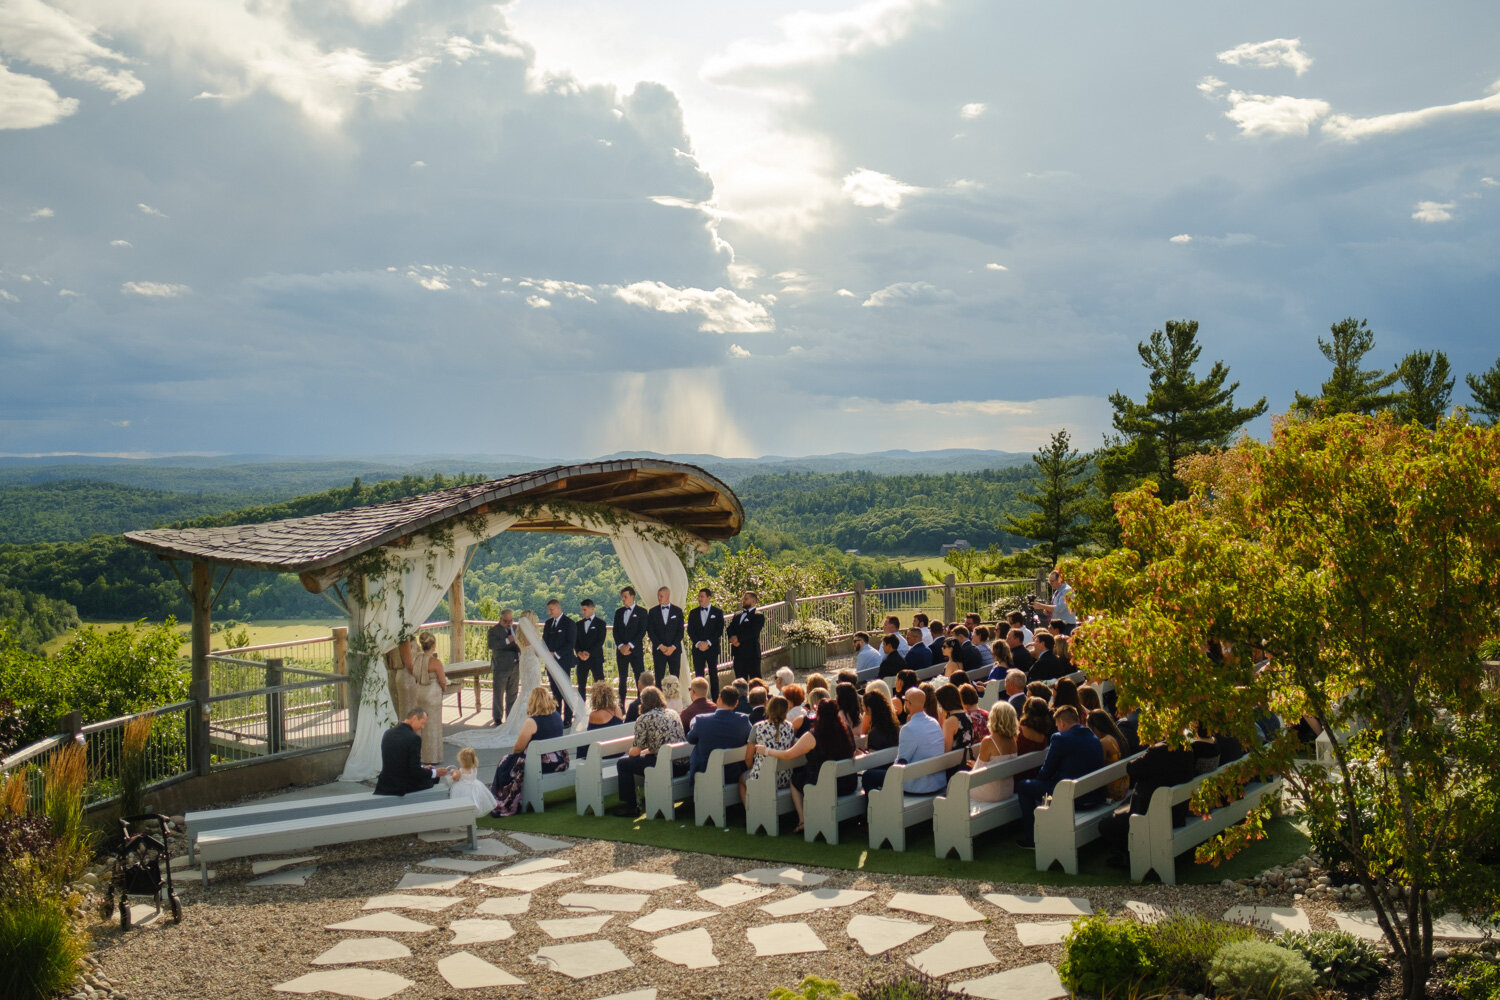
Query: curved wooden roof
{"x": 683, "y": 496}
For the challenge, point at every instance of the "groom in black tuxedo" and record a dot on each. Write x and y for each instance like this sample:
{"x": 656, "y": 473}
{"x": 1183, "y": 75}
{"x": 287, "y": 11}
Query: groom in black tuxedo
{"x": 630, "y": 633}
{"x": 664, "y": 628}
{"x": 557, "y": 636}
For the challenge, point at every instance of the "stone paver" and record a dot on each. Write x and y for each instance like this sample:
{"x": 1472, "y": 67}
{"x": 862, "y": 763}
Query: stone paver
{"x": 489, "y": 847}
{"x": 1030, "y": 982}
{"x": 466, "y": 865}
{"x": 959, "y": 950}
{"x": 732, "y": 894}
{"x": 1360, "y": 923}
{"x": 814, "y": 900}
{"x": 880, "y": 934}
{"x": 403, "y": 901}
{"x": 527, "y": 883}
{"x": 1056, "y": 906}
{"x": 781, "y": 876}
{"x": 292, "y": 876}
{"x": 443, "y": 836}
{"x": 260, "y": 867}
{"x": 436, "y": 881}
{"x": 584, "y": 959}
{"x": 639, "y": 881}
{"x": 480, "y": 931}
{"x": 665, "y": 919}
{"x": 366, "y": 984}
{"x": 693, "y": 949}
{"x": 384, "y": 922}
{"x": 1051, "y": 932}
{"x": 613, "y": 902}
{"x": 375, "y": 949}
{"x": 541, "y": 845}
{"x": 940, "y": 905}
{"x": 533, "y": 865}
{"x": 646, "y": 994}
{"x": 1145, "y": 912}
{"x": 465, "y": 971}
{"x": 571, "y": 927}
{"x": 783, "y": 939}
{"x": 1450, "y": 927}
{"x": 1270, "y": 918}
{"x": 506, "y": 906}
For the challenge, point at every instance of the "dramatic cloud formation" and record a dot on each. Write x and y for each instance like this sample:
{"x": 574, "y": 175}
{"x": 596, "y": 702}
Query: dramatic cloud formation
{"x": 721, "y": 310}
{"x": 871, "y": 188}
{"x": 1257, "y": 114}
{"x": 1267, "y": 55}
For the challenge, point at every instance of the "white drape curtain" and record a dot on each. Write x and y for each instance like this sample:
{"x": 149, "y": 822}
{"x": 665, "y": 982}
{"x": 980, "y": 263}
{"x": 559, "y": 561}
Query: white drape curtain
{"x": 536, "y": 660}
{"x": 652, "y": 564}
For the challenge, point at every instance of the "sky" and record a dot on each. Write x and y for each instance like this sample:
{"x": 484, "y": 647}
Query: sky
{"x": 572, "y": 227}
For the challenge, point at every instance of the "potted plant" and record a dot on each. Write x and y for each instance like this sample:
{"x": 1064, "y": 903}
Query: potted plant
{"x": 807, "y": 641}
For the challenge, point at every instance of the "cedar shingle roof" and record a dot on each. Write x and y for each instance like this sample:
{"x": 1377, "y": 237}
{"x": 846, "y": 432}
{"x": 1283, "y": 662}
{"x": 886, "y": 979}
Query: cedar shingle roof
{"x": 683, "y": 496}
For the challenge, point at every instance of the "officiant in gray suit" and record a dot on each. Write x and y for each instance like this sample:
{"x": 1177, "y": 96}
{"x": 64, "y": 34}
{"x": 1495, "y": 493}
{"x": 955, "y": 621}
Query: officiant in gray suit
{"x": 505, "y": 664}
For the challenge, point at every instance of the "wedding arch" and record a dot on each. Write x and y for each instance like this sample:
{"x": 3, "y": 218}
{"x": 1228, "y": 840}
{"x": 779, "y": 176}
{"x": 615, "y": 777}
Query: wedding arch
{"x": 388, "y": 565}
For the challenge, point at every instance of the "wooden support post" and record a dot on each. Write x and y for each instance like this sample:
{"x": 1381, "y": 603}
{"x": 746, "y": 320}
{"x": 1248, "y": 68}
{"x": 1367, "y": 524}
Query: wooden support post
{"x": 456, "y": 652}
{"x": 341, "y": 665}
{"x": 860, "y": 620}
{"x": 950, "y": 599}
{"x": 201, "y": 596}
{"x": 275, "y": 702}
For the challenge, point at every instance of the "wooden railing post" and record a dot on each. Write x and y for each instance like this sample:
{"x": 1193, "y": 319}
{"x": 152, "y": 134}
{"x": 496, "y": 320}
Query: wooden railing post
{"x": 275, "y": 702}
{"x": 341, "y": 665}
{"x": 859, "y": 621}
{"x": 456, "y": 652}
{"x": 201, "y": 594}
{"x": 950, "y": 599}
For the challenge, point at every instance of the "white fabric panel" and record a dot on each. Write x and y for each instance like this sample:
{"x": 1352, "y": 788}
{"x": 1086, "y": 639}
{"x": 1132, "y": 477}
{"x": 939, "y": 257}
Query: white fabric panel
{"x": 535, "y": 659}
{"x": 650, "y": 565}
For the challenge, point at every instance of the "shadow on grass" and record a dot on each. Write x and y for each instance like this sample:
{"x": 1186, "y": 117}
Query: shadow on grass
{"x": 996, "y": 856}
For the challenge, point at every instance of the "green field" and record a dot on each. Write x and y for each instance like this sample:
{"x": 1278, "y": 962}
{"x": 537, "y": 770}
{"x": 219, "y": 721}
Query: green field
{"x": 926, "y": 564}
{"x": 260, "y": 632}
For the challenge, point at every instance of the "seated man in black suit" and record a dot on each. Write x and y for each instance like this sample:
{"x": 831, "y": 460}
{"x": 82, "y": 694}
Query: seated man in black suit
{"x": 1159, "y": 767}
{"x": 1047, "y": 666}
{"x": 401, "y": 769}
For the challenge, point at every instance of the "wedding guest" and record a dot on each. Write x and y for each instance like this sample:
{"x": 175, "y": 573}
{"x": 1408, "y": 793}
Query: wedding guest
{"x": 1088, "y": 697}
{"x": 846, "y": 676}
{"x": 589, "y": 633}
{"x": 643, "y": 680}
{"x": 630, "y": 649}
{"x": 958, "y": 728}
{"x": 892, "y": 626}
{"x": 604, "y": 710}
{"x": 982, "y": 647}
{"x": 425, "y": 683}
{"x": 921, "y": 738}
{"x": 772, "y": 733}
{"x": 784, "y": 676}
{"x": 997, "y": 748}
{"x": 1113, "y": 741}
{"x": 930, "y": 706}
{"x": 795, "y": 695}
{"x": 705, "y": 626}
{"x": 847, "y": 699}
{"x": 1066, "y": 693}
{"x": 744, "y": 631}
{"x": 827, "y": 739}
{"x": 1020, "y": 655}
{"x": 543, "y": 722}
{"x": 401, "y": 767}
{"x": 1061, "y": 645}
{"x": 918, "y": 655}
{"x": 699, "y": 703}
{"x": 1073, "y": 752}
{"x": 1000, "y": 652}
{"x": 878, "y": 722}
{"x": 1035, "y": 731}
{"x": 1017, "y": 620}
{"x": 939, "y": 635}
{"x": 721, "y": 729}
{"x": 866, "y": 657}
{"x": 1047, "y": 666}
{"x": 505, "y": 666}
{"x": 467, "y": 787}
{"x": 743, "y": 687}
{"x": 671, "y": 691}
{"x": 664, "y": 627}
{"x": 968, "y": 655}
{"x": 905, "y": 681}
{"x": 977, "y": 715}
{"x": 971, "y": 621}
{"x": 1159, "y": 767}
{"x": 557, "y": 635}
{"x": 656, "y": 727}
{"x": 922, "y": 623}
{"x": 1039, "y": 689}
{"x": 758, "y": 702}
{"x": 815, "y": 681}
{"x": 893, "y": 662}
{"x": 1015, "y": 688}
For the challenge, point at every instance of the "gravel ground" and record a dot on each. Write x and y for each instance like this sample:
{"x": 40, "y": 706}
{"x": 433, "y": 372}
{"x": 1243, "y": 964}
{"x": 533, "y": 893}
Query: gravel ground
{"x": 240, "y": 941}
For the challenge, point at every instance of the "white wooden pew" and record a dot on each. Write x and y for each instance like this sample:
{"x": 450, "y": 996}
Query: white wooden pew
{"x": 764, "y": 802}
{"x": 1155, "y": 842}
{"x": 664, "y": 787}
{"x": 537, "y": 784}
{"x": 823, "y": 808}
{"x": 598, "y": 776}
{"x": 208, "y": 820}
{"x": 991, "y": 694}
{"x": 302, "y": 833}
{"x": 1062, "y": 827}
{"x": 956, "y": 821}
{"x": 891, "y": 809}
{"x": 712, "y": 794}
{"x": 928, "y": 673}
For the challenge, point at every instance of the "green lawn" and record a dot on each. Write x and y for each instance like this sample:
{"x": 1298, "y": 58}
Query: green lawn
{"x": 996, "y": 857}
{"x": 935, "y": 564}
{"x": 260, "y": 632}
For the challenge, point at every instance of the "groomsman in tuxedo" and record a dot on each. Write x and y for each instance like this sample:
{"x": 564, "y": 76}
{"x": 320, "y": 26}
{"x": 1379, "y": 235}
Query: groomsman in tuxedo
{"x": 664, "y": 629}
{"x": 630, "y": 630}
{"x": 705, "y": 625}
{"x": 557, "y": 636}
{"x": 744, "y": 636}
{"x": 588, "y": 648}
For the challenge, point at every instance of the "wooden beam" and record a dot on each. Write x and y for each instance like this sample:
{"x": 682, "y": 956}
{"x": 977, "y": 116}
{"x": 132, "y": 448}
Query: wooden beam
{"x": 201, "y": 592}
{"x": 688, "y": 501}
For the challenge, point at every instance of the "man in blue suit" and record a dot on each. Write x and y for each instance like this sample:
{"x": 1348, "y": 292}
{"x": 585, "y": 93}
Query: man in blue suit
{"x": 722, "y": 729}
{"x": 918, "y": 656}
{"x": 1073, "y": 752}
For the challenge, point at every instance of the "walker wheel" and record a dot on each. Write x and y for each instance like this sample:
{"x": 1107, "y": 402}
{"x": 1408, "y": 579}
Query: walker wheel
{"x": 124, "y": 914}
{"x": 107, "y": 904}
{"x": 176, "y": 909}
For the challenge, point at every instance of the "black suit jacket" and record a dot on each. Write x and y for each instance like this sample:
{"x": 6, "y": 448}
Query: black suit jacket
{"x": 588, "y": 637}
{"x": 668, "y": 632}
{"x": 746, "y": 626}
{"x": 969, "y": 658}
{"x": 401, "y": 769}
{"x": 1021, "y": 659}
{"x": 559, "y": 639}
{"x": 700, "y": 631}
{"x": 630, "y": 632}
{"x": 1160, "y": 767}
{"x": 1047, "y": 668}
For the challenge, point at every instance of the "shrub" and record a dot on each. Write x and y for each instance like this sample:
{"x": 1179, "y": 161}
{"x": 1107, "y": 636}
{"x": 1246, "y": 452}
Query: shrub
{"x": 1259, "y": 970}
{"x": 133, "y": 765}
{"x": 812, "y": 988}
{"x": 62, "y": 803}
{"x": 26, "y": 844}
{"x": 1340, "y": 960}
{"x": 905, "y": 986}
{"x": 1186, "y": 945}
{"x": 1107, "y": 958}
{"x": 43, "y": 950}
{"x": 1476, "y": 978}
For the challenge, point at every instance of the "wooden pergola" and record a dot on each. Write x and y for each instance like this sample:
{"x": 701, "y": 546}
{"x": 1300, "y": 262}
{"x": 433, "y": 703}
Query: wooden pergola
{"x": 323, "y": 549}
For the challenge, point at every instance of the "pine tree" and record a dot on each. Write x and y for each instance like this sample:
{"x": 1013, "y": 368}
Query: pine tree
{"x": 1427, "y": 388}
{"x": 1060, "y": 489}
{"x": 1485, "y": 389}
{"x": 1181, "y": 415}
{"x": 1350, "y": 388}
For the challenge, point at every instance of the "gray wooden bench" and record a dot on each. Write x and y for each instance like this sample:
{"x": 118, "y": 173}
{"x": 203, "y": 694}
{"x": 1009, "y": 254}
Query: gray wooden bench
{"x": 991, "y": 694}
{"x": 956, "y": 820}
{"x": 891, "y": 809}
{"x": 664, "y": 786}
{"x": 301, "y": 833}
{"x": 209, "y": 820}
{"x": 928, "y": 673}
{"x": 536, "y": 784}
{"x": 823, "y": 808}
{"x": 598, "y": 773}
{"x": 1155, "y": 842}
{"x": 765, "y": 804}
{"x": 712, "y": 793}
{"x": 1062, "y": 827}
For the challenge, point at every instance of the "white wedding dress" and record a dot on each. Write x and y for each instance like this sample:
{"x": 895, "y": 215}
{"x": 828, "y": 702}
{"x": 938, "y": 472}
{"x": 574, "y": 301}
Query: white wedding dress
{"x": 535, "y": 658}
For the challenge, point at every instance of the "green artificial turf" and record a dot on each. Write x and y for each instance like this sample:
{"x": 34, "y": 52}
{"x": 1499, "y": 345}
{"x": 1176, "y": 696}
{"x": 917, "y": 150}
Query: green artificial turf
{"x": 996, "y": 856}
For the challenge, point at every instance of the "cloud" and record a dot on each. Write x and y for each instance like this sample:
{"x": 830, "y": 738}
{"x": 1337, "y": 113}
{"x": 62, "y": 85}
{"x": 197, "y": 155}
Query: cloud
{"x": 68, "y": 293}
{"x": 1181, "y": 238}
{"x": 845, "y": 293}
{"x": 1258, "y": 114}
{"x": 148, "y": 210}
{"x": 433, "y": 283}
{"x": 122, "y": 424}
{"x": 992, "y": 266}
{"x": 537, "y": 302}
{"x": 721, "y": 310}
{"x": 1268, "y": 55}
{"x": 1434, "y": 211}
{"x": 971, "y": 111}
{"x": 1489, "y": 182}
{"x": 1209, "y": 86}
{"x": 30, "y": 102}
{"x": 122, "y": 244}
{"x": 154, "y": 289}
{"x": 870, "y": 188}
{"x": 736, "y": 351}
{"x": 1351, "y": 129}
{"x": 689, "y": 412}
{"x": 907, "y": 293}
{"x": 7, "y": 296}
{"x": 52, "y": 39}
{"x": 42, "y": 213}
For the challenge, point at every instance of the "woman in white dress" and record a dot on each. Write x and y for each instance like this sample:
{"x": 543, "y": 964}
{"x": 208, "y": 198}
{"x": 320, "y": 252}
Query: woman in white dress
{"x": 425, "y": 683}
{"x": 468, "y": 787}
{"x": 671, "y": 692}
{"x": 998, "y": 747}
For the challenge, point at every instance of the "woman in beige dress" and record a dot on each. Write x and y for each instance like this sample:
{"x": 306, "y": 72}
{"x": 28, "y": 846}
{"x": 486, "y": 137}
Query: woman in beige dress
{"x": 425, "y": 683}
